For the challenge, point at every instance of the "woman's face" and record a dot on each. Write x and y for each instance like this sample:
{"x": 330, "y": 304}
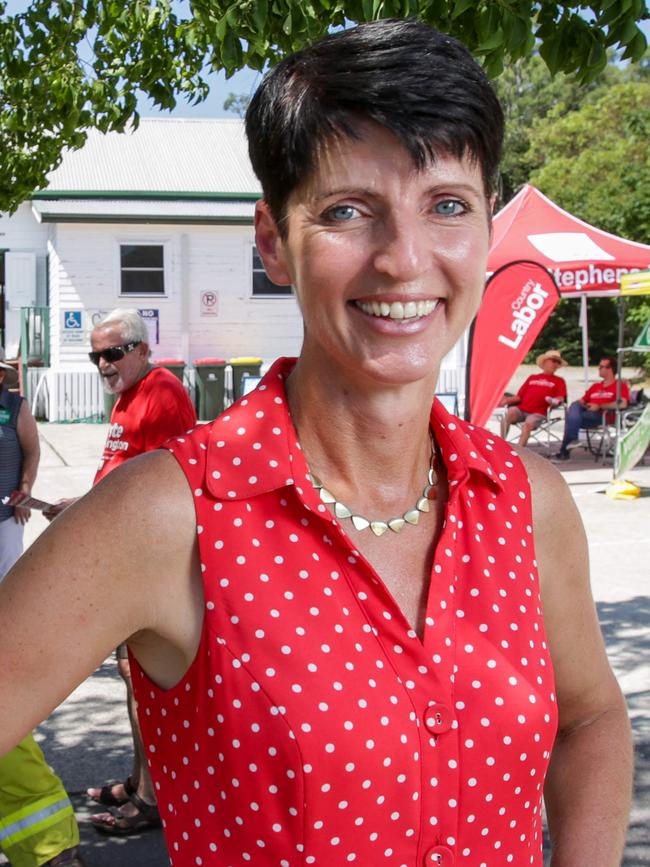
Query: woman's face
{"x": 388, "y": 262}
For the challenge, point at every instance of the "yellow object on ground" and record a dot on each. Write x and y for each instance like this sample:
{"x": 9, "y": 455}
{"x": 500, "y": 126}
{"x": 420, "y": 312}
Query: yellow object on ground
{"x": 621, "y": 489}
{"x": 37, "y": 820}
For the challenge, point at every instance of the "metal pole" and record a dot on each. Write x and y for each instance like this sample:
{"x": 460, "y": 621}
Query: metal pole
{"x": 584, "y": 325}
{"x": 620, "y": 352}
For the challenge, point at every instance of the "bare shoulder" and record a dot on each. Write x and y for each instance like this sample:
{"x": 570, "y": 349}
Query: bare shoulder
{"x": 560, "y": 540}
{"x": 554, "y": 510}
{"x": 129, "y": 544}
{"x": 151, "y": 485}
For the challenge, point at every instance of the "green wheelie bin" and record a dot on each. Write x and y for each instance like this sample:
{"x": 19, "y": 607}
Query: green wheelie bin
{"x": 210, "y": 381}
{"x": 240, "y": 366}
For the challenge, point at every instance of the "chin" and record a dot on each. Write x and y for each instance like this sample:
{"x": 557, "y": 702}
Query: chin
{"x": 403, "y": 369}
{"x": 117, "y": 388}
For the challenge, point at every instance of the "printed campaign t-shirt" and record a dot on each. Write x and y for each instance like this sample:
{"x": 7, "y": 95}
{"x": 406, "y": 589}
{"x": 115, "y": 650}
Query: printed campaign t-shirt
{"x": 144, "y": 417}
{"x": 601, "y": 393}
{"x": 537, "y": 388}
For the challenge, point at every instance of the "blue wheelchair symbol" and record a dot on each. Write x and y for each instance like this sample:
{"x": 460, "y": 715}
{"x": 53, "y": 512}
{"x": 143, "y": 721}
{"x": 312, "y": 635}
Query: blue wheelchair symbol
{"x": 72, "y": 319}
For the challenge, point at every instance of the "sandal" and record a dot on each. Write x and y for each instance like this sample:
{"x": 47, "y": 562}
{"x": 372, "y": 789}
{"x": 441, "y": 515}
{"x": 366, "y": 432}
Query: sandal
{"x": 106, "y": 797}
{"x": 118, "y": 825}
{"x": 67, "y": 858}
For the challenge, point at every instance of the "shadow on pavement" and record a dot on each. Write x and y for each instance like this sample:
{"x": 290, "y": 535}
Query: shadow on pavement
{"x": 87, "y": 741}
{"x": 625, "y": 627}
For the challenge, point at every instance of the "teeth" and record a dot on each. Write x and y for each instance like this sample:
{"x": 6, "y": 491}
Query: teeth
{"x": 397, "y": 310}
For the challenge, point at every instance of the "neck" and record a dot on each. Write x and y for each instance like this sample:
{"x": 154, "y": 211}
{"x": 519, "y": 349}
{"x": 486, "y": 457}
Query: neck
{"x": 370, "y": 445}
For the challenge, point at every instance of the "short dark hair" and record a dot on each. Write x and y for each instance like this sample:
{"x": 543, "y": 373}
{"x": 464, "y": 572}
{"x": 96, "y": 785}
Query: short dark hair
{"x": 613, "y": 361}
{"x": 421, "y": 85}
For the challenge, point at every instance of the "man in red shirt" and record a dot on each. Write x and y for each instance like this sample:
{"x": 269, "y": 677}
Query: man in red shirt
{"x": 151, "y": 407}
{"x": 588, "y": 411}
{"x": 536, "y": 396}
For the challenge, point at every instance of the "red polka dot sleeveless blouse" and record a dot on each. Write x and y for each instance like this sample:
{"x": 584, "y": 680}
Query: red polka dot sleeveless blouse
{"x": 314, "y": 727}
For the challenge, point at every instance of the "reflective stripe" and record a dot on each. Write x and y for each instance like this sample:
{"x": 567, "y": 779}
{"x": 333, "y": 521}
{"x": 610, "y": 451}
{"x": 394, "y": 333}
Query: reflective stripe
{"x": 13, "y": 829}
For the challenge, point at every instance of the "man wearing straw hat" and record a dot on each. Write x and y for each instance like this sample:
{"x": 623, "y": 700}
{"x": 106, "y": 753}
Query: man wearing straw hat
{"x": 530, "y": 406}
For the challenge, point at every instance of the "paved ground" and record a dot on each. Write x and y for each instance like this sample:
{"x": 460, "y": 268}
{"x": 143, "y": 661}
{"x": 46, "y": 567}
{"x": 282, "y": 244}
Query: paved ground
{"x": 87, "y": 740}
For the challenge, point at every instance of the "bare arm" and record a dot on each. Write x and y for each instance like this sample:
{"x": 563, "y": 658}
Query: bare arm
{"x": 588, "y": 787}
{"x": 27, "y": 434}
{"x": 119, "y": 564}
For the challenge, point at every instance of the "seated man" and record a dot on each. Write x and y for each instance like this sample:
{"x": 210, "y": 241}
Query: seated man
{"x": 535, "y": 397}
{"x": 588, "y": 411}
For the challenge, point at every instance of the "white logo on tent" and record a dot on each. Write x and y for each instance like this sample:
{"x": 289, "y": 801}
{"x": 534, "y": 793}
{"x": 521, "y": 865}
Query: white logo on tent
{"x": 569, "y": 247}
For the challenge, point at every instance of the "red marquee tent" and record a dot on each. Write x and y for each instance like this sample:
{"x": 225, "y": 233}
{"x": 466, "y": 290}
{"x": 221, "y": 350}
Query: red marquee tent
{"x": 582, "y": 261}
{"x": 581, "y": 258}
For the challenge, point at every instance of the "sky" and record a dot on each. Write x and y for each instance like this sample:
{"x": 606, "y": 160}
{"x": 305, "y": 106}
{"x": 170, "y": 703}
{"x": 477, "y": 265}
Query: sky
{"x": 243, "y": 82}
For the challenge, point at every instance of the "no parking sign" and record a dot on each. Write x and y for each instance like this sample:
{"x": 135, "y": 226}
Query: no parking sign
{"x": 209, "y": 303}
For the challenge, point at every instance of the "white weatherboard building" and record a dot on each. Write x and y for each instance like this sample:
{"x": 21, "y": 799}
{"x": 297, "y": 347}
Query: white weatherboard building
{"x": 161, "y": 219}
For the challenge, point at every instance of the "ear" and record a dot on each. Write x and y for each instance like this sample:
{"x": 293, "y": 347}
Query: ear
{"x": 270, "y": 245}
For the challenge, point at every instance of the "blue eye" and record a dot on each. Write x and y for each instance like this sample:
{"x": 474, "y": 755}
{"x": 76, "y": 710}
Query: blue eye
{"x": 450, "y": 208}
{"x": 341, "y": 213}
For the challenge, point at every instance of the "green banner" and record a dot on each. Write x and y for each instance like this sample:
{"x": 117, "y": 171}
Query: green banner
{"x": 642, "y": 343}
{"x": 631, "y": 447}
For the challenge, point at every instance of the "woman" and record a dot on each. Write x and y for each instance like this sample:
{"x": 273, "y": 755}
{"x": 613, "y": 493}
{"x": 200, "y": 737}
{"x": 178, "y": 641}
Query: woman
{"x": 333, "y": 602}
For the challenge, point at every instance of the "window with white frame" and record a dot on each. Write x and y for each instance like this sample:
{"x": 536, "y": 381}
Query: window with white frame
{"x": 142, "y": 269}
{"x": 262, "y": 286}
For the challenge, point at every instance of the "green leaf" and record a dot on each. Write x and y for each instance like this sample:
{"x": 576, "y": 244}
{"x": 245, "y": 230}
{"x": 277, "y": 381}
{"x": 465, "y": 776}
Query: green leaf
{"x": 597, "y": 54}
{"x": 492, "y": 41}
{"x": 461, "y": 6}
{"x": 551, "y": 51}
{"x": 260, "y": 14}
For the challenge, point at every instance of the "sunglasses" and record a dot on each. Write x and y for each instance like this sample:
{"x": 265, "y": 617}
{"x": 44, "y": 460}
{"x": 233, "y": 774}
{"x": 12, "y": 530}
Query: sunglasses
{"x": 556, "y": 360}
{"x": 113, "y": 353}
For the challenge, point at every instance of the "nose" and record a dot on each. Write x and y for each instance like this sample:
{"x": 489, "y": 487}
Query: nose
{"x": 103, "y": 364}
{"x": 404, "y": 249}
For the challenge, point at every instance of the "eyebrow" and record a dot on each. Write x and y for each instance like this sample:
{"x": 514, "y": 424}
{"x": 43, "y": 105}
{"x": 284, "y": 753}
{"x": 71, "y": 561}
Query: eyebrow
{"x": 435, "y": 189}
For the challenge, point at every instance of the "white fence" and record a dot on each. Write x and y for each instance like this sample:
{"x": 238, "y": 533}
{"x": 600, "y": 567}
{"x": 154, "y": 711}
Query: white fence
{"x": 76, "y": 394}
{"x": 66, "y": 395}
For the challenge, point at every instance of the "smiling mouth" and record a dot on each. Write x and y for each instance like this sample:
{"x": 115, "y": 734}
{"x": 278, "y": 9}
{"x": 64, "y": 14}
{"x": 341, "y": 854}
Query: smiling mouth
{"x": 397, "y": 309}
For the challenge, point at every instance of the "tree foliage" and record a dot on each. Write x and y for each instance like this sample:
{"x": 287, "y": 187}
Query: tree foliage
{"x": 594, "y": 162}
{"x": 529, "y": 95}
{"x": 69, "y": 65}
{"x": 237, "y": 103}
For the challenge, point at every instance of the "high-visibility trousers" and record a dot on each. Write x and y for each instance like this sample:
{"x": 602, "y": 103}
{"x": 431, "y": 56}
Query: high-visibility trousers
{"x": 37, "y": 820}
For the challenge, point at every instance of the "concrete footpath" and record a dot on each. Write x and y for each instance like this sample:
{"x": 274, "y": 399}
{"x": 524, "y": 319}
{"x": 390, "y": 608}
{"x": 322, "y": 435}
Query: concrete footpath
{"x": 87, "y": 738}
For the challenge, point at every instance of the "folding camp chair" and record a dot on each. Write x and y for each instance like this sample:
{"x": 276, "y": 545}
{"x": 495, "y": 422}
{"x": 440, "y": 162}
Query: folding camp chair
{"x": 601, "y": 440}
{"x": 546, "y": 435}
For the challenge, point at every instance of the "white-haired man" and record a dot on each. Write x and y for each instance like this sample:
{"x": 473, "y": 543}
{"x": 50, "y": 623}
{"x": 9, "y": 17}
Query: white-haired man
{"x": 151, "y": 407}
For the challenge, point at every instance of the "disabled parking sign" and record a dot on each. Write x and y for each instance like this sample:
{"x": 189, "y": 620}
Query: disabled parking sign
{"x": 72, "y": 331}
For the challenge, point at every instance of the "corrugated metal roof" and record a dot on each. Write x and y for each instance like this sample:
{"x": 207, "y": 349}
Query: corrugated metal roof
{"x": 141, "y": 210}
{"x": 182, "y": 155}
